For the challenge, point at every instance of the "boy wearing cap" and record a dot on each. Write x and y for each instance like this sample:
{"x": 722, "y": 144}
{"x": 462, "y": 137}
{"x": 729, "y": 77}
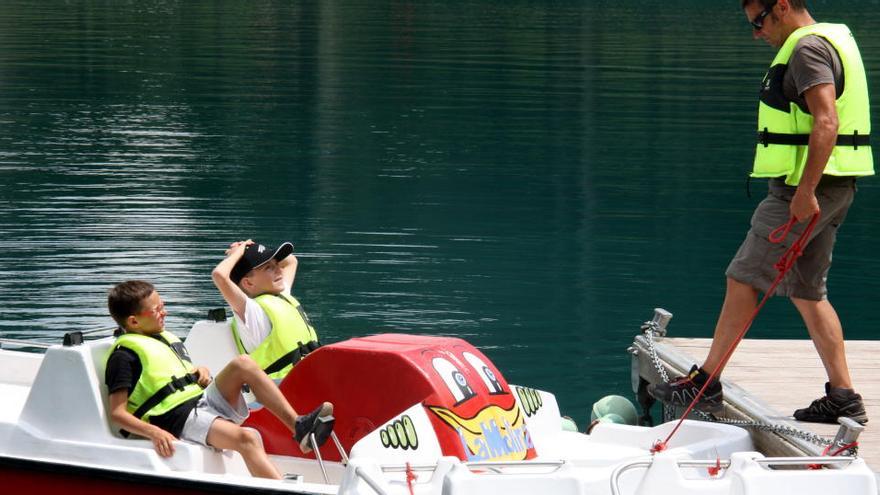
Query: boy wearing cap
{"x": 156, "y": 392}
{"x": 269, "y": 324}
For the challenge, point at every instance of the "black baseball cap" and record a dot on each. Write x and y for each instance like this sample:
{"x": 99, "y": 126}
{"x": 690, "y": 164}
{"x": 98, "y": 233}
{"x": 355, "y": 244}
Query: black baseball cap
{"x": 257, "y": 255}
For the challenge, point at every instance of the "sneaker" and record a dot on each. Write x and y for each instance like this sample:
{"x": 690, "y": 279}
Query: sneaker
{"x": 837, "y": 402}
{"x": 681, "y": 391}
{"x": 320, "y": 422}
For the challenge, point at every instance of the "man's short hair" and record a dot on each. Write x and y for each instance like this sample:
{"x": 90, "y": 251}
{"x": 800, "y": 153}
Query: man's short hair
{"x": 795, "y": 4}
{"x": 126, "y": 299}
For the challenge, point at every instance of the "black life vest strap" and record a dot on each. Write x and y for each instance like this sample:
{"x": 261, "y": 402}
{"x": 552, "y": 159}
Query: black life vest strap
{"x": 175, "y": 385}
{"x": 855, "y": 139}
{"x": 292, "y": 357}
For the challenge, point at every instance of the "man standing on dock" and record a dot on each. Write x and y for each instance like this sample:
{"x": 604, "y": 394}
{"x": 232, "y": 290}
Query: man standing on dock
{"x": 813, "y": 141}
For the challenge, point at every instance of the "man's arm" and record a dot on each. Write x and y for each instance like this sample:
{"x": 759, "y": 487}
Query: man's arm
{"x": 820, "y": 100}
{"x": 163, "y": 441}
{"x": 232, "y": 293}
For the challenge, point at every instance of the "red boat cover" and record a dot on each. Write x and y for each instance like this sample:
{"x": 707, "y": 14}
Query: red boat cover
{"x": 371, "y": 380}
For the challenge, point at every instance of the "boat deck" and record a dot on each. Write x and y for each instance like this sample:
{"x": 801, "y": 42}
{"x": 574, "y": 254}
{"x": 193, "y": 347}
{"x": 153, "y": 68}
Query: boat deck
{"x": 772, "y": 378}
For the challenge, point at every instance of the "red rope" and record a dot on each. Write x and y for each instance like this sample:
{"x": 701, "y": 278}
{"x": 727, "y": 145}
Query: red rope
{"x": 783, "y": 266}
{"x": 833, "y": 454}
{"x": 841, "y": 449}
{"x": 410, "y": 478}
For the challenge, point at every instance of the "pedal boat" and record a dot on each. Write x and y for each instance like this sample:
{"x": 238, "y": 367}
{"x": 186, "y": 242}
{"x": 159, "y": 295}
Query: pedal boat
{"x": 414, "y": 415}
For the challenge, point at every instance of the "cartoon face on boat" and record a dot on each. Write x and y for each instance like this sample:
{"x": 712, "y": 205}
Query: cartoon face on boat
{"x": 406, "y": 388}
{"x": 483, "y": 412}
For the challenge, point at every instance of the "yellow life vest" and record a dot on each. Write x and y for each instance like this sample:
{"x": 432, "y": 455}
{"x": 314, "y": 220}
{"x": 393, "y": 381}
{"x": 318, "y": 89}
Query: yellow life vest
{"x": 784, "y": 127}
{"x": 291, "y": 338}
{"x": 167, "y": 377}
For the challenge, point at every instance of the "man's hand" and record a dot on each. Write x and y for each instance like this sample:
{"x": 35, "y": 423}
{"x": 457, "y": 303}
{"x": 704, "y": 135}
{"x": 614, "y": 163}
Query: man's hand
{"x": 163, "y": 441}
{"x": 204, "y": 376}
{"x": 804, "y": 205}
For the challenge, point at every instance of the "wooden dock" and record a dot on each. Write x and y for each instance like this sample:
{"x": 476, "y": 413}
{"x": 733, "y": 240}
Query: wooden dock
{"x": 770, "y": 379}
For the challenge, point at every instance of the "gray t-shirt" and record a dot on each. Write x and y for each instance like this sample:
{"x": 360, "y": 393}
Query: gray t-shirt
{"x": 814, "y": 61}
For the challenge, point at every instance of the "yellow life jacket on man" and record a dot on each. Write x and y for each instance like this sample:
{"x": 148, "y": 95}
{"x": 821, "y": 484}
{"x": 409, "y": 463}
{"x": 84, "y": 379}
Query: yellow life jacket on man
{"x": 167, "y": 377}
{"x": 292, "y": 336}
{"x": 784, "y": 127}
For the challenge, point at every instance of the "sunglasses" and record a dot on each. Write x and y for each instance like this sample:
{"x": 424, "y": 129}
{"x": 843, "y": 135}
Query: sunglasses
{"x": 758, "y": 22}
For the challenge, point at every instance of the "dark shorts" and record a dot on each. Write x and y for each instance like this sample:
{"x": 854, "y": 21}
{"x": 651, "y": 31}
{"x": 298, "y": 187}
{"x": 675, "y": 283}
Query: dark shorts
{"x": 754, "y": 262}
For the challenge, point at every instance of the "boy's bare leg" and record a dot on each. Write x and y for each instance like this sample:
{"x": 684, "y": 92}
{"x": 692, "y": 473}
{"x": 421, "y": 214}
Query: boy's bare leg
{"x": 244, "y": 370}
{"x": 225, "y": 434}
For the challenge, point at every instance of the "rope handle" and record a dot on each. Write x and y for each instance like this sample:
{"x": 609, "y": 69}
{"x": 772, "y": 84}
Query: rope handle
{"x": 786, "y": 261}
{"x": 780, "y": 233}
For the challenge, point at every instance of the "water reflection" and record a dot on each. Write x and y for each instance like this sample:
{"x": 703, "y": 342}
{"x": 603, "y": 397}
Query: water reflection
{"x": 532, "y": 177}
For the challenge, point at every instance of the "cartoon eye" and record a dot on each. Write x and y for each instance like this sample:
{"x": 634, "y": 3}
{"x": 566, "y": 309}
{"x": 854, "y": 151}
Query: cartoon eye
{"x": 490, "y": 375}
{"x": 454, "y": 380}
{"x": 485, "y": 373}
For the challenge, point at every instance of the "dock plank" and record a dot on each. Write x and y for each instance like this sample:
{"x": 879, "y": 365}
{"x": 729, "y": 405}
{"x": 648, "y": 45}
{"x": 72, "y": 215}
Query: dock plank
{"x": 788, "y": 375}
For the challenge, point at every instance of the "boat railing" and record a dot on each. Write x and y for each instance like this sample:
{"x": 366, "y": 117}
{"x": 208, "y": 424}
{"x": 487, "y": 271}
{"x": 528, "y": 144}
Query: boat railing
{"x": 497, "y": 466}
{"x": 70, "y": 338}
{"x": 24, "y": 343}
{"x": 724, "y": 464}
{"x": 315, "y": 448}
{"x": 489, "y": 467}
{"x": 368, "y": 479}
{"x": 493, "y": 466}
{"x": 805, "y": 461}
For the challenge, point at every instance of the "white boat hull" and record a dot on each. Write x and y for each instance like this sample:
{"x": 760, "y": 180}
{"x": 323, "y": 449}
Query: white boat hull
{"x": 55, "y": 432}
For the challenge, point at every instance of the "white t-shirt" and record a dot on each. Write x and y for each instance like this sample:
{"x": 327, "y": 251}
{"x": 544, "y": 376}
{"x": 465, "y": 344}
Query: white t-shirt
{"x": 258, "y": 325}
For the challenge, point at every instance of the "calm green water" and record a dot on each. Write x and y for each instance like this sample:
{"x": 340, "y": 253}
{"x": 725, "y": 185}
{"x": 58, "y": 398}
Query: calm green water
{"x": 533, "y": 177}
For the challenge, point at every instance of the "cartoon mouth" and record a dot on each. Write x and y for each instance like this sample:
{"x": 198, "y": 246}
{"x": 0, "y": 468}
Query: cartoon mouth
{"x": 492, "y": 434}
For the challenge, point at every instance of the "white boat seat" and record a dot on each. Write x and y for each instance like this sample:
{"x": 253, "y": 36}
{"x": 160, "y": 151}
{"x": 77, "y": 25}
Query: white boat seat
{"x": 211, "y": 344}
{"x": 68, "y": 406}
{"x": 68, "y": 400}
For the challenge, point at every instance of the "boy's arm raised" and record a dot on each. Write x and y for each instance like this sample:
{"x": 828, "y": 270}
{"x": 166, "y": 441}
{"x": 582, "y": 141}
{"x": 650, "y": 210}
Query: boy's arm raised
{"x": 288, "y": 270}
{"x": 163, "y": 441}
{"x": 236, "y": 297}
